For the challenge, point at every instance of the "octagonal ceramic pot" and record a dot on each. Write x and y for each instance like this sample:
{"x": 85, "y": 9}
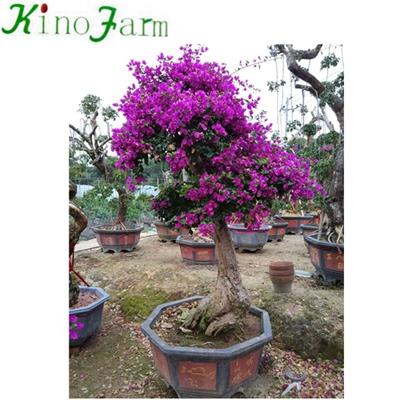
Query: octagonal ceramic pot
{"x": 294, "y": 222}
{"x": 90, "y": 315}
{"x": 204, "y": 372}
{"x": 327, "y": 258}
{"x": 196, "y": 252}
{"x": 167, "y": 234}
{"x": 249, "y": 239}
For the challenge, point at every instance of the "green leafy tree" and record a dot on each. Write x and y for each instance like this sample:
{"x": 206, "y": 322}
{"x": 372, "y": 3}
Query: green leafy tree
{"x": 89, "y": 144}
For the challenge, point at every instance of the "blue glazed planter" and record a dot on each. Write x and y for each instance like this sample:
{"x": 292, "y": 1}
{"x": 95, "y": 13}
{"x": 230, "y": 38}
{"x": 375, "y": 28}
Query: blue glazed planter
{"x": 90, "y": 316}
{"x": 203, "y": 372}
{"x": 252, "y": 240}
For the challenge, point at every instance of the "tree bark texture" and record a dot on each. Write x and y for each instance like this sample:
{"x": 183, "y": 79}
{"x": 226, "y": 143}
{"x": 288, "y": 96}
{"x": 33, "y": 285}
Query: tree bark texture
{"x": 229, "y": 302}
{"x": 335, "y": 198}
{"x": 75, "y": 229}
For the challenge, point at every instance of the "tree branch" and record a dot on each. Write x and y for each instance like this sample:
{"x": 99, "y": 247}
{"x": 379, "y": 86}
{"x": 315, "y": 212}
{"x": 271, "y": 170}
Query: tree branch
{"x": 292, "y": 56}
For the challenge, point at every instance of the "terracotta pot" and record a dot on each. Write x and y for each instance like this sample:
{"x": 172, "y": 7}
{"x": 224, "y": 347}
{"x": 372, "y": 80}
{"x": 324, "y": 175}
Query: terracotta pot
{"x": 203, "y": 372}
{"x": 167, "y": 234}
{"x": 327, "y": 258}
{"x": 118, "y": 240}
{"x": 196, "y": 252}
{"x": 281, "y": 274}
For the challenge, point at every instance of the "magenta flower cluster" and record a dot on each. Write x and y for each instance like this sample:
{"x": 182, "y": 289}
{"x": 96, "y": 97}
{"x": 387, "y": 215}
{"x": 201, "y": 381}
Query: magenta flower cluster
{"x": 189, "y": 112}
{"x": 74, "y": 324}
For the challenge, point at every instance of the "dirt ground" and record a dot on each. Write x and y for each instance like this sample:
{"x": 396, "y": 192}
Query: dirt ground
{"x": 117, "y": 362}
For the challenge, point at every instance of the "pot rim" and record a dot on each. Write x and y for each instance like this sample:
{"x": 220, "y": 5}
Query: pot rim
{"x": 103, "y": 297}
{"x": 240, "y": 227}
{"x": 312, "y": 239}
{"x": 305, "y": 216}
{"x": 181, "y": 240}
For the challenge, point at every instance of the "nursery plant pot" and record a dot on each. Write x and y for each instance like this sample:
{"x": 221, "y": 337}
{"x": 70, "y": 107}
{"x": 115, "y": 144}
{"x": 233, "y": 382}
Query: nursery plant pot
{"x": 277, "y": 232}
{"x": 281, "y": 274}
{"x": 294, "y": 222}
{"x": 202, "y": 372}
{"x": 315, "y": 220}
{"x": 249, "y": 239}
{"x": 90, "y": 315}
{"x": 308, "y": 229}
{"x": 167, "y": 234}
{"x": 327, "y": 258}
{"x": 117, "y": 240}
{"x": 196, "y": 252}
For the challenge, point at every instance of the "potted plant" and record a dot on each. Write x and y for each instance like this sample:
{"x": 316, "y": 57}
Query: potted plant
{"x": 295, "y": 214}
{"x": 197, "y": 248}
{"x": 168, "y": 233}
{"x": 190, "y": 113}
{"x": 245, "y": 238}
{"x": 85, "y": 303}
{"x": 118, "y": 235}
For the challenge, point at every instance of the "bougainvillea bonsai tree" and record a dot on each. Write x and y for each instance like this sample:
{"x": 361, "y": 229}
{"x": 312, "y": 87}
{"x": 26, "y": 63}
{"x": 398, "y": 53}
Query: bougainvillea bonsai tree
{"x": 192, "y": 114}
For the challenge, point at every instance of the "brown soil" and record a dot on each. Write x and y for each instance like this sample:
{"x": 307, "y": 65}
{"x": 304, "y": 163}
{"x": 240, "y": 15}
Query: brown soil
{"x": 84, "y": 300}
{"x": 117, "y": 362}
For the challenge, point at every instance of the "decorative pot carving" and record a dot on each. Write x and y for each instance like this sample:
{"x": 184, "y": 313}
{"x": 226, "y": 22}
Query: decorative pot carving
{"x": 327, "y": 258}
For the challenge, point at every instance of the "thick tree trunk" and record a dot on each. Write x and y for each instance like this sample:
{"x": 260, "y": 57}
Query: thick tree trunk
{"x": 75, "y": 229}
{"x": 229, "y": 302}
{"x": 122, "y": 207}
{"x": 334, "y": 200}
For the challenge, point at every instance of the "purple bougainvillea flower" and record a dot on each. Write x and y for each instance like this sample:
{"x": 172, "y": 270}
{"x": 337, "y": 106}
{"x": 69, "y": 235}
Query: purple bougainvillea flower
{"x": 73, "y": 334}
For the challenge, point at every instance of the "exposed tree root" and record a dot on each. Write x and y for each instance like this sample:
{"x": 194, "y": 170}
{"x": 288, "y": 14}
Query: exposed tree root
{"x": 221, "y": 310}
